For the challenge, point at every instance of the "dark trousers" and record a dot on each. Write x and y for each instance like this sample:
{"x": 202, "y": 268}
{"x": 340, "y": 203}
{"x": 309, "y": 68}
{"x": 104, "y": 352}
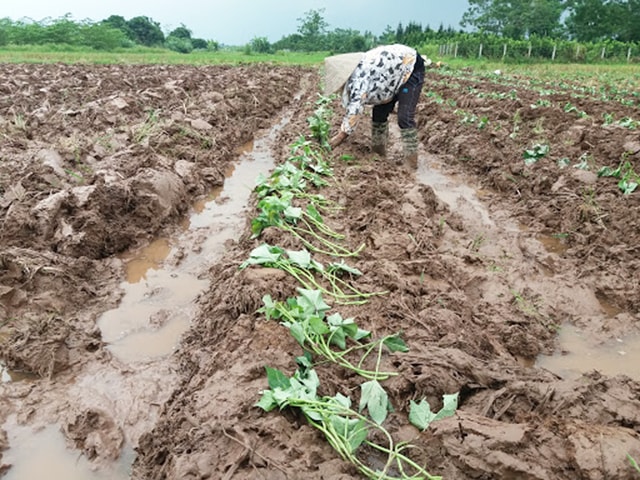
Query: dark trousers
{"x": 406, "y": 98}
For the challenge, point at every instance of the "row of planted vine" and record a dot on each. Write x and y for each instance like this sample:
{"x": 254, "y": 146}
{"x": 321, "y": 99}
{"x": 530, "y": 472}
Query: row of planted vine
{"x": 628, "y": 179}
{"x": 325, "y": 337}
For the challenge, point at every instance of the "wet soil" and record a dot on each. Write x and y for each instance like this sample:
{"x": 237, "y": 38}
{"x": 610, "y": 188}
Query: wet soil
{"x": 484, "y": 258}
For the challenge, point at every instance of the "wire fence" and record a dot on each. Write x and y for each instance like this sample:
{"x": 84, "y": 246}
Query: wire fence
{"x": 546, "y": 49}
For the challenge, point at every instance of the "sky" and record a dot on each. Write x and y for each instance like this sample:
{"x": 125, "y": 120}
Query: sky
{"x": 236, "y": 22}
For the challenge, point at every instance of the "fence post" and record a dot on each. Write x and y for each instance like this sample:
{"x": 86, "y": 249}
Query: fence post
{"x": 604, "y": 50}
{"x": 504, "y": 51}
{"x": 577, "y": 52}
{"x": 553, "y": 55}
{"x": 529, "y": 52}
{"x": 455, "y": 52}
{"x": 480, "y": 52}
{"x": 629, "y": 55}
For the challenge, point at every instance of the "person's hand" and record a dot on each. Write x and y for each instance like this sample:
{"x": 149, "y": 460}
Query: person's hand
{"x": 337, "y": 139}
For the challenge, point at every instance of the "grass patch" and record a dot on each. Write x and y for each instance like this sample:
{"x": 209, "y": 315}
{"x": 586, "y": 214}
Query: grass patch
{"x": 73, "y": 55}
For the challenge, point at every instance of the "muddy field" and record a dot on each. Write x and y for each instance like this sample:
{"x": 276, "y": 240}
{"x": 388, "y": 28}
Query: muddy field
{"x": 484, "y": 258}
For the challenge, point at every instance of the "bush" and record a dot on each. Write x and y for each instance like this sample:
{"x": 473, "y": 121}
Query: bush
{"x": 180, "y": 45}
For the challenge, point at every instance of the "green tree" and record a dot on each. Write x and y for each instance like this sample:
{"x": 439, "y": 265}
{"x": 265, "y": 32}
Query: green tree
{"x": 388, "y": 36}
{"x": 5, "y": 30}
{"x": 595, "y": 20}
{"x": 181, "y": 32}
{"x": 102, "y": 36}
{"x": 177, "y": 44}
{"x": 116, "y": 21}
{"x": 199, "y": 43}
{"x": 63, "y": 30}
{"x": 347, "y": 40}
{"x": 515, "y": 18}
{"x": 260, "y": 45}
{"x": 145, "y": 31}
{"x": 312, "y": 29}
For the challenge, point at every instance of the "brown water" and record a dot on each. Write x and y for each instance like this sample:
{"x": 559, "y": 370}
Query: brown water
{"x": 42, "y": 455}
{"x": 553, "y": 243}
{"x": 579, "y": 353}
{"x": 159, "y": 296}
{"x": 459, "y": 196}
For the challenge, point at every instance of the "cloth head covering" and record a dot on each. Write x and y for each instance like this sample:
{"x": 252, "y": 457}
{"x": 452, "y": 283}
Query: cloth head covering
{"x": 338, "y": 69}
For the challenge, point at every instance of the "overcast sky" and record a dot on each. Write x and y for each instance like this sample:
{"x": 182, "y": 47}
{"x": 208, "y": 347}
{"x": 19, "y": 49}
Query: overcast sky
{"x": 236, "y": 22}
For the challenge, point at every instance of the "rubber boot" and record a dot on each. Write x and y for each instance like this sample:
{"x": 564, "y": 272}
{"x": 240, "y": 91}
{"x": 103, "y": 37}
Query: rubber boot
{"x": 410, "y": 147}
{"x": 379, "y": 137}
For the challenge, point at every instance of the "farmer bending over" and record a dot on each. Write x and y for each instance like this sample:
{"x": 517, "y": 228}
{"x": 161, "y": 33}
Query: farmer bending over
{"x": 382, "y": 77}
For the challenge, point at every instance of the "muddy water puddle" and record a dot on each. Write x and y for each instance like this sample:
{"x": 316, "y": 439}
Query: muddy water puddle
{"x": 157, "y": 307}
{"x": 42, "y": 454}
{"x": 580, "y": 353}
{"x": 159, "y": 299}
{"x": 459, "y": 196}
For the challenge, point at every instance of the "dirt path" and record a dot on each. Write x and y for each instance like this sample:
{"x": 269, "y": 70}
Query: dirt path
{"x": 484, "y": 260}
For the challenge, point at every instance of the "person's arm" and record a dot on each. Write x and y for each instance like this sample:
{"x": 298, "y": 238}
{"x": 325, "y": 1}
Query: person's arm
{"x": 337, "y": 139}
{"x": 355, "y": 107}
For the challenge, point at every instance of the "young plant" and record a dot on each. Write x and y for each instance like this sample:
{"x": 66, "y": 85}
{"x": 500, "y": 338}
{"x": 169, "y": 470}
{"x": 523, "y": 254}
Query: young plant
{"x": 320, "y": 121}
{"x": 346, "y": 429}
{"x": 301, "y": 266}
{"x": 421, "y": 416}
{"x": 535, "y": 153}
{"x": 570, "y": 108}
{"x": 277, "y": 210}
{"x": 628, "y": 177}
{"x": 327, "y": 335}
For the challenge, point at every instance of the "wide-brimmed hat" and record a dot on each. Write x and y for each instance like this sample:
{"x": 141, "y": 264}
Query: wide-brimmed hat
{"x": 338, "y": 69}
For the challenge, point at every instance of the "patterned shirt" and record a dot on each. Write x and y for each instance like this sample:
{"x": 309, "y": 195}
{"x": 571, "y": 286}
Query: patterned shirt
{"x": 376, "y": 80}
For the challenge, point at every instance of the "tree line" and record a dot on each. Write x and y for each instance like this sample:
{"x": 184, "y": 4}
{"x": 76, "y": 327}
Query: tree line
{"x": 580, "y": 20}
{"x": 570, "y": 30}
{"x": 108, "y": 34}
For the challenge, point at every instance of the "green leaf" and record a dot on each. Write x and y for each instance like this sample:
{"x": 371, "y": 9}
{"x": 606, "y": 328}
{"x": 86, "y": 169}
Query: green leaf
{"x": 342, "y": 400}
{"x": 361, "y": 334}
{"x": 269, "y": 308}
{"x": 305, "y": 362}
{"x": 267, "y": 402}
{"x": 312, "y": 211}
{"x": 264, "y": 254}
{"x": 338, "y": 338}
{"x": 627, "y": 187}
{"x": 449, "y": 406}
{"x": 343, "y": 268}
{"x": 421, "y": 416}
{"x": 308, "y": 380}
{"x": 375, "y": 399}
{"x": 293, "y": 213}
{"x": 277, "y": 379}
{"x": 311, "y": 301}
{"x": 300, "y": 258}
{"x": 395, "y": 344}
{"x": 347, "y": 325}
{"x": 318, "y": 326}
{"x": 297, "y": 331}
{"x": 353, "y": 431}
{"x": 609, "y": 172}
